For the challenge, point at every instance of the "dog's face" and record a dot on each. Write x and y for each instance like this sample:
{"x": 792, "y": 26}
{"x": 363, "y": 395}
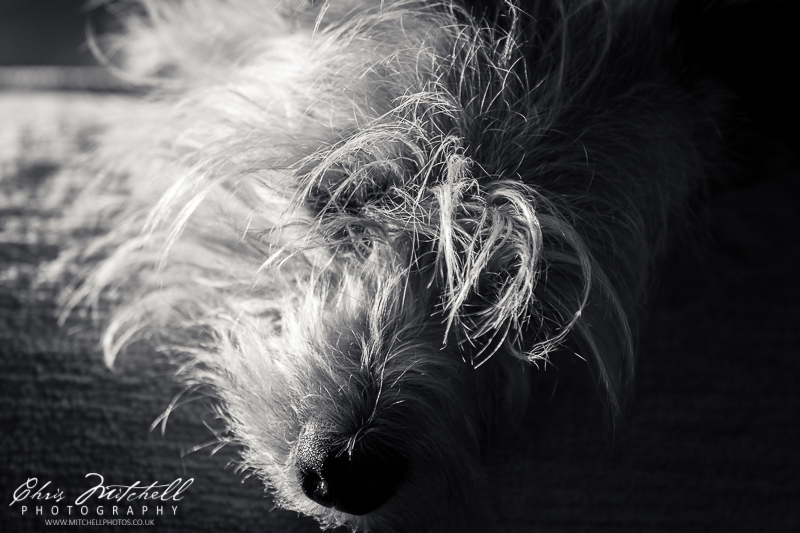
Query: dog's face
{"x": 361, "y": 231}
{"x": 396, "y": 289}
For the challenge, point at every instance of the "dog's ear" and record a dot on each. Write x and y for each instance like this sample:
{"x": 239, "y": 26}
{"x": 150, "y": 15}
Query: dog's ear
{"x": 160, "y": 43}
{"x": 169, "y": 43}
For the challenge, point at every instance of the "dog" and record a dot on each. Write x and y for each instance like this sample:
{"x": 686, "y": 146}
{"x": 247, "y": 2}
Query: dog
{"x": 363, "y": 226}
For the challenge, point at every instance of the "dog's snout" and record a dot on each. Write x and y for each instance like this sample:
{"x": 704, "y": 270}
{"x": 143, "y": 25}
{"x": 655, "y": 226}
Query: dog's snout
{"x": 355, "y": 481}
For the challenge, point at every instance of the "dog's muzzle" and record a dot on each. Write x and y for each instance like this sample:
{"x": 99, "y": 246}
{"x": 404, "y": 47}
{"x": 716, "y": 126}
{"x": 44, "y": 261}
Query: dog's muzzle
{"x": 355, "y": 480}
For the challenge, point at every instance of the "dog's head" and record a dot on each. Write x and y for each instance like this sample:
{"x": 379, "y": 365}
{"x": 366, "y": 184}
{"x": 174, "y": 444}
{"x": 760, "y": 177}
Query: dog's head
{"x": 360, "y": 230}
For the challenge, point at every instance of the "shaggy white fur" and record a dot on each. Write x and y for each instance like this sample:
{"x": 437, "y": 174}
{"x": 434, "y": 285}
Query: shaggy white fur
{"x": 358, "y": 222}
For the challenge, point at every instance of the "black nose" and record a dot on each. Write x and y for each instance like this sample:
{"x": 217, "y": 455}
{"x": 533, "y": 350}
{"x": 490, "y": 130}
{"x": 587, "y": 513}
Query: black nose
{"x": 356, "y": 481}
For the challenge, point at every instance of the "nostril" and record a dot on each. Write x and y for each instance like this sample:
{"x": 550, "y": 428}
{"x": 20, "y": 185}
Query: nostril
{"x": 356, "y": 481}
{"x": 316, "y": 488}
